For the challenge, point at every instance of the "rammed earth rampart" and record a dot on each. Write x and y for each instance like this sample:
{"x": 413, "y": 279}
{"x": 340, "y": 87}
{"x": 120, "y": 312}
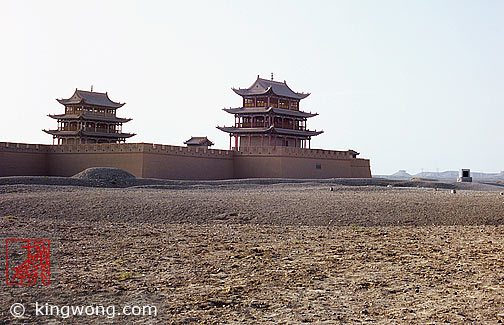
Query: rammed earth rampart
{"x": 174, "y": 162}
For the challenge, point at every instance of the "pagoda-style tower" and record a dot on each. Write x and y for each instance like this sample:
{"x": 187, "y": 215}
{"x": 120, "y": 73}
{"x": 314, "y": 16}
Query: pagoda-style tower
{"x": 90, "y": 117}
{"x": 270, "y": 116}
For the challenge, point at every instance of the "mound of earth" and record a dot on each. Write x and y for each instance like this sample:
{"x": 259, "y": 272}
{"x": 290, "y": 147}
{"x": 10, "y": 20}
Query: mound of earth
{"x": 104, "y": 173}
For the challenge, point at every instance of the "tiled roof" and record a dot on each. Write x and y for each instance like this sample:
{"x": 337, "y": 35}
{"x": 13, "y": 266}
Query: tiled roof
{"x": 90, "y": 98}
{"x": 89, "y": 133}
{"x": 88, "y": 117}
{"x": 259, "y": 110}
{"x": 199, "y": 141}
{"x": 263, "y": 86}
{"x": 271, "y": 129}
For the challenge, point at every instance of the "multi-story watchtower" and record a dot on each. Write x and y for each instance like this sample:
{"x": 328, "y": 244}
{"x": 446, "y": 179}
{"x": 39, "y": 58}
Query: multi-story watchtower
{"x": 270, "y": 116}
{"x": 90, "y": 117}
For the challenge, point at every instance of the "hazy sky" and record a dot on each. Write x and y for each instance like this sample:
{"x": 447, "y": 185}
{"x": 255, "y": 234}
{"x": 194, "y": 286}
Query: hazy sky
{"x": 409, "y": 84}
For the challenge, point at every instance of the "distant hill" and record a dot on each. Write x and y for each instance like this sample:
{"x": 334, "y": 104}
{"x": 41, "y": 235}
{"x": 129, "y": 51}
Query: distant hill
{"x": 446, "y": 175}
{"x": 449, "y": 174}
{"x": 401, "y": 174}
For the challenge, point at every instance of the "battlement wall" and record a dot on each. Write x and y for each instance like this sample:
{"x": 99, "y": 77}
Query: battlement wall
{"x": 295, "y": 152}
{"x": 23, "y": 147}
{"x": 175, "y": 162}
{"x": 145, "y": 160}
{"x": 138, "y": 147}
{"x": 23, "y": 159}
{"x": 285, "y": 162}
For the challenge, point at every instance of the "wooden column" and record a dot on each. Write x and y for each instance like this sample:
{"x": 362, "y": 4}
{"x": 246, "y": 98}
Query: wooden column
{"x": 230, "y": 139}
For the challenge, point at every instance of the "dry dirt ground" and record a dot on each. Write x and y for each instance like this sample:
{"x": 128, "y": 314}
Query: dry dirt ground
{"x": 252, "y": 253}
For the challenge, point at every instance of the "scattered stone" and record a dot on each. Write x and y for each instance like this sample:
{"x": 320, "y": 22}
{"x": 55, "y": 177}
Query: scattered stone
{"x": 258, "y": 304}
{"x": 453, "y": 191}
{"x": 331, "y": 189}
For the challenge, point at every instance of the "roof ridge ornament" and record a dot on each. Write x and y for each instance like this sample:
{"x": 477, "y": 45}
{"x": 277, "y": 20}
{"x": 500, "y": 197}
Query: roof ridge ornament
{"x": 272, "y": 76}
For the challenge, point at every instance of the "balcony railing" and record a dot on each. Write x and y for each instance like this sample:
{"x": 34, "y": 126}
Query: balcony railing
{"x": 91, "y": 113}
{"x": 99, "y": 114}
{"x": 89, "y": 129}
{"x": 253, "y": 125}
{"x": 278, "y": 125}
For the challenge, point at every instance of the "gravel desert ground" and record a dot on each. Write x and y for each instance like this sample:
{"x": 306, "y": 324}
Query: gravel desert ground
{"x": 263, "y": 251}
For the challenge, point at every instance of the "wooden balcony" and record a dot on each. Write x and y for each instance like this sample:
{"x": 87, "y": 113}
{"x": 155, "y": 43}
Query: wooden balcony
{"x": 89, "y": 129}
{"x": 80, "y": 112}
{"x": 98, "y": 114}
{"x": 278, "y": 125}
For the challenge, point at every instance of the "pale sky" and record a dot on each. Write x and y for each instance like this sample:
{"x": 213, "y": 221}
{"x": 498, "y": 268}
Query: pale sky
{"x": 409, "y": 84}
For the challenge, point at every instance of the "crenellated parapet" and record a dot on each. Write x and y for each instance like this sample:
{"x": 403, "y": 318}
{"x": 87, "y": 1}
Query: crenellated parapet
{"x": 139, "y": 147}
{"x": 297, "y": 152}
{"x": 23, "y": 147}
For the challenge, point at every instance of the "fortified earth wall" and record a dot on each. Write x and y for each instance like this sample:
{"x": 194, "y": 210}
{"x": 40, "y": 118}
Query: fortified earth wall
{"x": 21, "y": 159}
{"x": 174, "y": 162}
{"x": 285, "y": 162}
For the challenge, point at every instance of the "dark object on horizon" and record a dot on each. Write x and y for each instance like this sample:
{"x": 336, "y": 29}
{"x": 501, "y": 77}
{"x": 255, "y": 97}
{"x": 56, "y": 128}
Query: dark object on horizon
{"x": 464, "y": 175}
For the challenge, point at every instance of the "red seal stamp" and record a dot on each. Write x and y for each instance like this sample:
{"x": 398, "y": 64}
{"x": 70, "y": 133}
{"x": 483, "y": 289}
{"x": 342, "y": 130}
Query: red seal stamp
{"x": 27, "y": 261}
